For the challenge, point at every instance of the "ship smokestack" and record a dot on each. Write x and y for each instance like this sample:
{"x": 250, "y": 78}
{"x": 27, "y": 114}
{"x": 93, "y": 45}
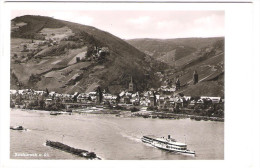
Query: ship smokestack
{"x": 169, "y": 136}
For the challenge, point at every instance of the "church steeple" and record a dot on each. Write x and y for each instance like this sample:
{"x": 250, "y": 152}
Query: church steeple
{"x": 131, "y": 85}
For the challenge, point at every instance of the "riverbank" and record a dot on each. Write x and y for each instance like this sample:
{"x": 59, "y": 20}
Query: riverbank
{"x": 149, "y": 114}
{"x": 161, "y": 115}
{"x": 143, "y": 114}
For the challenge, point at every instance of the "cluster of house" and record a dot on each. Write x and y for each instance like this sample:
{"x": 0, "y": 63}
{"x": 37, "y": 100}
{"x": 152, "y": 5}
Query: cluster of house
{"x": 26, "y": 96}
{"x": 163, "y": 98}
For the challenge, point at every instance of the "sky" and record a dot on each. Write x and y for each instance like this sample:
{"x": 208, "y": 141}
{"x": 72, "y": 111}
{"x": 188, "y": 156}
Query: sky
{"x": 144, "y": 24}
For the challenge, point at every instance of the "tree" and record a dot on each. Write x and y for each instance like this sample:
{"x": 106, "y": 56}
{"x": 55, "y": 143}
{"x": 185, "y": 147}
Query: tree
{"x": 89, "y": 52}
{"x": 178, "y": 84}
{"x": 29, "y": 55}
{"x": 24, "y": 47}
{"x": 17, "y": 61}
{"x": 181, "y": 94}
{"x": 99, "y": 94}
{"x": 118, "y": 99}
{"x": 47, "y": 92}
{"x": 34, "y": 79}
{"x": 77, "y": 59}
{"x": 12, "y": 105}
{"x": 134, "y": 109}
{"x": 41, "y": 104}
{"x": 154, "y": 98}
{"x": 75, "y": 97}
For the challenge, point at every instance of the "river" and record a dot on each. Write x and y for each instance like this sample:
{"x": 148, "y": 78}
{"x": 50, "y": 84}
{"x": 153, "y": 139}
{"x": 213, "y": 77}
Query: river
{"x": 111, "y": 137}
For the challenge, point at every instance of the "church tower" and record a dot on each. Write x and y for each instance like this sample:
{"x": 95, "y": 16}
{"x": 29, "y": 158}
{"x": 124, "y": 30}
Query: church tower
{"x": 195, "y": 77}
{"x": 131, "y": 85}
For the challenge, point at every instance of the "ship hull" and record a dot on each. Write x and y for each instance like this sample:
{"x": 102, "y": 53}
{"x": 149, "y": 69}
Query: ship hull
{"x": 167, "y": 145}
{"x": 175, "y": 151}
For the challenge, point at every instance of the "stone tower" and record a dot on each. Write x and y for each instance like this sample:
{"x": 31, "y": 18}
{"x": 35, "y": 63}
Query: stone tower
{"x": 195, "y": 77}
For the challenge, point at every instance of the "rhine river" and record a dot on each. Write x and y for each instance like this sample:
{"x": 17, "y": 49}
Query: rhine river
{"x": 111, "y": 137}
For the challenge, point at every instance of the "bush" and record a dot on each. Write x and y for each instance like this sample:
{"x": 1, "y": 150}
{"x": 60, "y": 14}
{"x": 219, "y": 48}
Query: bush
{"x": 120, "y": 108}
{"x": 55, "y": 107}
{"x": 196, "y": 110}
{"x": 177, "y": 109}
{"x": 12, "y": 105}
{"x": 17, "y": 62}
{"x": 152, "y": 108}
{"x": 41, "y": 104}
{"x": 30, "y": 55}
{"x": 134, "y": 109}
{"x": 34, "y": 79}
{"x": 33, "y": 105}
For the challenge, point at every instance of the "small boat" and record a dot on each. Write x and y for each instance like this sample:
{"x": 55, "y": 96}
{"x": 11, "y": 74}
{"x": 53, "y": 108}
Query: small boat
{"x": 168, "y": 144}
{"x": 55, "y": 113}
{"x": 17, "y": 127}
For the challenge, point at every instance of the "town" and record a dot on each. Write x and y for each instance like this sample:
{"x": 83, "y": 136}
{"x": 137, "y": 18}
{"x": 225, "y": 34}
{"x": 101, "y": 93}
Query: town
{"x": 164, "y": 101}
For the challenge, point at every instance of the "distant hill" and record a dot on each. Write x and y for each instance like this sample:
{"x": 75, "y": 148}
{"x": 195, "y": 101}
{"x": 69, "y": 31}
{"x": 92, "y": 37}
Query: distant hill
{"x": 69, "y": 57}
{"x": 171, "y": 50}
{"x": 185, "y": 55}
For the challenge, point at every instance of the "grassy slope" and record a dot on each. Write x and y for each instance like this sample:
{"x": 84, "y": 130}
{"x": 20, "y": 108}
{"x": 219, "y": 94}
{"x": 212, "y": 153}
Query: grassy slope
{"x": 124, "y": 60}
{"x": 210, "y": 88}
{"x": 210, "y": 68}
{"x": 172, "y": 49}
{"x": 211, "y": 78}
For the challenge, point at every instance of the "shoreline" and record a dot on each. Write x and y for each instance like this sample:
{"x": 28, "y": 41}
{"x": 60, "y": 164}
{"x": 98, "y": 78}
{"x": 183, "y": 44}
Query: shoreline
{"x": 161, "y": 115}
{"x": 124, "y": 113}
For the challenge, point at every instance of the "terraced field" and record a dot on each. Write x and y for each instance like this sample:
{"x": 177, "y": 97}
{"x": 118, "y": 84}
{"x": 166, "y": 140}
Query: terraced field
{"x": 57, "y": 33}
{"x": 52, "y": 63}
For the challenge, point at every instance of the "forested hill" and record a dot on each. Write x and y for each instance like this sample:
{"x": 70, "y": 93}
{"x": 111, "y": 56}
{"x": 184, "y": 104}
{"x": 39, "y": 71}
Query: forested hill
{"x": 185, "y": 55}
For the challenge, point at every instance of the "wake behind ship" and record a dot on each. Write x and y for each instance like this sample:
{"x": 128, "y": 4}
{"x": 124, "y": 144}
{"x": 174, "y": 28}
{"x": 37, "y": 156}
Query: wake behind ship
{"x": 168, "y": 144}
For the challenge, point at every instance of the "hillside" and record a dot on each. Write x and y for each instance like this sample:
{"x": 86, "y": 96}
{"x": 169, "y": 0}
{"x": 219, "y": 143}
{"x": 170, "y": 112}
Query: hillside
{"x": 205, "y": 55}
{"x": 170, "y": 51}
{"x": 68, "y": 57}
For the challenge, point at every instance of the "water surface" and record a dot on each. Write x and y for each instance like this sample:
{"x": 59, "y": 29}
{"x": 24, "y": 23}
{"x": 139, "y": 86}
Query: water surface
{"x": 111, "y": 137}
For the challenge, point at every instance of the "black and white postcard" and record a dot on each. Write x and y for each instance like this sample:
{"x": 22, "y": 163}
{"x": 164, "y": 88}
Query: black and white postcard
{"x": 149, "y": 81}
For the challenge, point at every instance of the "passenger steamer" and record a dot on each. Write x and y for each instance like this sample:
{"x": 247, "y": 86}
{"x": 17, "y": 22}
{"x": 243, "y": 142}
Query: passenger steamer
{"x": 168, "y": 144}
